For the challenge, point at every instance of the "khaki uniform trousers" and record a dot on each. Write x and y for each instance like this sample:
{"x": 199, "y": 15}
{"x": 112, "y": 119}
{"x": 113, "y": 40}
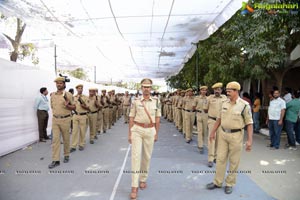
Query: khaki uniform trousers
{"x": 120, "y": 112}
{"x": 60, "y": 126}
{"x": 126, "y": 110}
{"x": 202, "y": 128}
{"x": 170, "y": 114}
{"x": 165, "y": 111}
{"x": 110, "y": 118}
{"x": 79, "y": 130}
{"x": 212, "y": 146}
{"x": 141, "y": 151}
{"x": 99, "y": 126}
{"x": 189, "y": 122}
{"x": 230, "y": 148}
{"x": 114, "y": 114}
{"x": 105, "y": 112}
{"x": 92, "y": 124}
{"x": 179, "y": 118}
{"x": 174, "y": 113}
{"x": 183, "y": 121}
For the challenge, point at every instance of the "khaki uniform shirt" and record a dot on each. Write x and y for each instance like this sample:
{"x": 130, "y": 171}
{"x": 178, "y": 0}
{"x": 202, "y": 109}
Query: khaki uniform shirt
{"x": 58, "y": 103}
{"x": 200, "y": 102}
{"x": 139, "y": 114}
{"x": 126, "y": 101}
{"x": 188, "y": 103}
{"x": 180, "y": 102}
{"x": 105, "y": 101}
{"x": 112, "y": 100}
{"x": 235, "y": 116}
{"x": 91, "y": 101}
{"x": 84, "y": 99}
{"x": 214, "y": 104}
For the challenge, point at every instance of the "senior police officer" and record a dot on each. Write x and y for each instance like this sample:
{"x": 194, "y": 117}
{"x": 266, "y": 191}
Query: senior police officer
{"x": 62, "y": 104}
{"x": 212, "y": 106}
{"x": 234, "y": 116}
{"x": 199, "y": 103}
{"x": 144, "y": 122}
{"x": 79, "y": 119}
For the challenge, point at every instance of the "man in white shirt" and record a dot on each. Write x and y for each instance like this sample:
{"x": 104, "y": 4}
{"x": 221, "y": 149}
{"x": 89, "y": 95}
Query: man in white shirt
{"x": 274, "y": 120}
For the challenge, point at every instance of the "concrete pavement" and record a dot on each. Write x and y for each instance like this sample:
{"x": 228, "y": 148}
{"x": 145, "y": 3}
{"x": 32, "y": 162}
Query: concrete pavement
{"x": 101, "y": 171}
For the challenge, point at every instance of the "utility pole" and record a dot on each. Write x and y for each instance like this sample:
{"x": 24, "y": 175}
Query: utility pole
{"x": 197, "y": 65}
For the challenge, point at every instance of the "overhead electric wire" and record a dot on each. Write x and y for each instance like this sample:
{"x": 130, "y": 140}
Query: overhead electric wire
{"x": 117, "y": 25}
{"x": 163, "y": 35}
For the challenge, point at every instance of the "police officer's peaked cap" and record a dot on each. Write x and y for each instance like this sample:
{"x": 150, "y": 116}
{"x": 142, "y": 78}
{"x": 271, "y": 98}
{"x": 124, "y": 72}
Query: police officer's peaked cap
{"x": 147, "y": 82}
{"x": 59, "y": 79}
{"x": 217, "y": 85}
{"x": 233, "y": 85}
{"x": 182, "y": 91}
{"x": 104, "y": 90}
{"x": 203, "y": 87}
{"x": 93, "y": 89}
{"x": 190, "y": 89}
{"x": 79, "y": 85}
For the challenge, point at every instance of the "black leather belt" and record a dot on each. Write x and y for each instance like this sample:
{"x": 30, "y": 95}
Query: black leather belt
{"x": 94, "y": 112}
{"x": 189, "y": 110}
{"x": 214, "y": 118}
{"x": 43, "y": 110}
{"x": 199, "y": 111}
{"x": 82, "y": 113}
{"x": 231, "y": 130}
{"x": 61, "y": 117}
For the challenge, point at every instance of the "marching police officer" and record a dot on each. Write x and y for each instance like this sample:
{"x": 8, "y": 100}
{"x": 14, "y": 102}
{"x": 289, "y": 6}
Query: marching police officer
{"x": 199, "y": 103}
{"x": 234, "y": 116}
{"x": 144, "y": 124}
{"x": 189, "y": 115}
{"x": 62, "y": 104}
{"x": 213, "y": 105}
{"x": 93, "y": 114}
{"x": 79, "y": 119}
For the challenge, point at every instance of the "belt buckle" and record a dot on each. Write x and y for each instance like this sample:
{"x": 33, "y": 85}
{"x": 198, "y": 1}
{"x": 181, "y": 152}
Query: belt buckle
{"x": 227, "y": 130}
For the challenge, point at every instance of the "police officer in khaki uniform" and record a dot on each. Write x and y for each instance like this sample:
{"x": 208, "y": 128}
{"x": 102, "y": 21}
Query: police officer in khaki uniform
{"x": 79, "y": 119}
{"x": 144, "y": 122}
{"x": 189, "y": 115}
{"x": 111, "y": 109}
{"x": 213, "y": 105}
{"x": 234, "y": 116}
{"x": 105, "y": 102}
{"x": 179, "y": 107}
{"x": 62, "y": 104}
{"x": 126, "y": 102}
{"x": 99, "y": 125}
{"x": 93, "y": 114}
{"x": 199, "y": 103}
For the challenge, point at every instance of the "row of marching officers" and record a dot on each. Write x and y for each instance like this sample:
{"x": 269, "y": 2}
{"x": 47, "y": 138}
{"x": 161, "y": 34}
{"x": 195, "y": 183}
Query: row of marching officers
{"x": 98, "y": 112}
{"x": 183, "y": 108}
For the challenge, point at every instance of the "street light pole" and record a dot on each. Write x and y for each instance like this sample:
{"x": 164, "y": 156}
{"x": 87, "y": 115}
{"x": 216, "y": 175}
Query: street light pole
{"x": 55, "y": 65}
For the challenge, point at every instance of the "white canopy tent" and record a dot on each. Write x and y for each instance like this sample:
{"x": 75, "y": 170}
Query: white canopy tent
{"x": 123, "y": 39}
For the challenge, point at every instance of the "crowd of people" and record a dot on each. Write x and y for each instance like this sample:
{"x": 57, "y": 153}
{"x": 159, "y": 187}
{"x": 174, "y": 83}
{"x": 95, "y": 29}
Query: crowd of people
{"x": 73, "y": 114}
{"x": 220, "y": 122}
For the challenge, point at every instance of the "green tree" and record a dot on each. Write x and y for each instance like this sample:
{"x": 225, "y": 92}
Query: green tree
{"x": 78, "y": 73}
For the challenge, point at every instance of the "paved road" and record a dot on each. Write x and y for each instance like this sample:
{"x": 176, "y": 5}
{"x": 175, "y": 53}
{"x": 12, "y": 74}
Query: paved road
{"x": 177, "y": 171}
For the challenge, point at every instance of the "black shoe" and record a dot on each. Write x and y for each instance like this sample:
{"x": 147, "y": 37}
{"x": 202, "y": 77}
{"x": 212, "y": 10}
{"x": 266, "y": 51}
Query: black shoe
{"x": 92, "y": 142}
{"x": 269, "y": 145}
{"x": 53, "y": 164}
{"x": 81, "y": 148}
{"x": 228, "y": 189}
{"x": 66, "y": 159}
{"x": 210, "y": 164}
{"x": 72, "y": 150}
{"x": 42, "y": 140}
{"x": 212, "y": 186}
{"x": 104, "y": 131}
{"x": 96, "y": 138}
{"x": 215, "y": 161}
{"x": 201, "y": 150}
{"x": 47, "y": 138}
{"x": 188, "y": 141}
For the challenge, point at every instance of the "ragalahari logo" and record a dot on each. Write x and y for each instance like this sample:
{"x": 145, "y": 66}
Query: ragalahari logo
{"x": 246, "y": 9}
